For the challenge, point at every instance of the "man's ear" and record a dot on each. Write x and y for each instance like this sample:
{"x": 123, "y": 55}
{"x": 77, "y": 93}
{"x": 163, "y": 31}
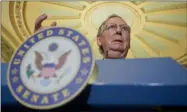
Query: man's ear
{"x": 99, "y": 41}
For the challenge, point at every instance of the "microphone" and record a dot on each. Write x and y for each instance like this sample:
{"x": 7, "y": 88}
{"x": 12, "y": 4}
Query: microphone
{"x": 106, "y": 54}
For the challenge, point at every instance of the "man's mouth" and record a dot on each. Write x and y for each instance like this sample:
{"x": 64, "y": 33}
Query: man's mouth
{"x": 118, "y": 41}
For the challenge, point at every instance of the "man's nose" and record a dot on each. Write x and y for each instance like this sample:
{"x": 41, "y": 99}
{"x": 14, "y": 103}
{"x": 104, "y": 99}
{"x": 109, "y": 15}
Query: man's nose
{"x": 118, "y": 30}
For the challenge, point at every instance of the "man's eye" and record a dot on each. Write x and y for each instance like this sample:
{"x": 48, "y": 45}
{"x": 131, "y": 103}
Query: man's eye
{"x": 125, "y": 28}
{"x": 112, "y": 26}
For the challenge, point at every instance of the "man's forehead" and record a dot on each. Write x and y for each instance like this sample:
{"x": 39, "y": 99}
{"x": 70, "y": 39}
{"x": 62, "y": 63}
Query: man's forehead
{"x": 116, "y": 20}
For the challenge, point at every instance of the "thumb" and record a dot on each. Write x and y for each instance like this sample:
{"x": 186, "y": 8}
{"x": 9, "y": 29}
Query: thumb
{"x": 53, "y": 24}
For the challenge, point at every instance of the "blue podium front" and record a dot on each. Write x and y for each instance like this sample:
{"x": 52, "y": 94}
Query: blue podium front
{"x": 127, "y": 83}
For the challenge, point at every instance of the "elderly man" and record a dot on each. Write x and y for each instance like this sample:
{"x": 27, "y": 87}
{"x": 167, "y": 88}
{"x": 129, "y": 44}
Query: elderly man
{"x": 113, "y": 37}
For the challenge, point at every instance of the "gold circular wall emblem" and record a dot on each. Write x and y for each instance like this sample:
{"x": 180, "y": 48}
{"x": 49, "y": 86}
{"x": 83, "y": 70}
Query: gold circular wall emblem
{"x": 98, "y": 12}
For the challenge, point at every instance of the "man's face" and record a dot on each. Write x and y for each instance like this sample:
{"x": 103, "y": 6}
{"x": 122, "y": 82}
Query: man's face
{"x": 115, "y": 39}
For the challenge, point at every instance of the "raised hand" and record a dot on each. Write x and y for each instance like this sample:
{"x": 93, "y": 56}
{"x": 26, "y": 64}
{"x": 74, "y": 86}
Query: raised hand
{"x": 38, "y": 23}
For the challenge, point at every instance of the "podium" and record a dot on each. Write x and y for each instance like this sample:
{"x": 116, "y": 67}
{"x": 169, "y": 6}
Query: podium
{"x": 126, "y": 83}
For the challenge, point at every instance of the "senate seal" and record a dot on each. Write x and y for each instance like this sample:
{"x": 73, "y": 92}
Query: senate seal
{"x": 51, "y": 68}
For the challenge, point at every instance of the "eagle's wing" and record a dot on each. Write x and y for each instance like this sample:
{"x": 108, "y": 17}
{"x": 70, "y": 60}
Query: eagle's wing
{"x": 62, "y": 59}
{"x": 38, "y": 60}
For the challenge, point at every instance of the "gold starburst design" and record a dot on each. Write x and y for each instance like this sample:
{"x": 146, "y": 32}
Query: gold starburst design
{"x": 159, "y": 29}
